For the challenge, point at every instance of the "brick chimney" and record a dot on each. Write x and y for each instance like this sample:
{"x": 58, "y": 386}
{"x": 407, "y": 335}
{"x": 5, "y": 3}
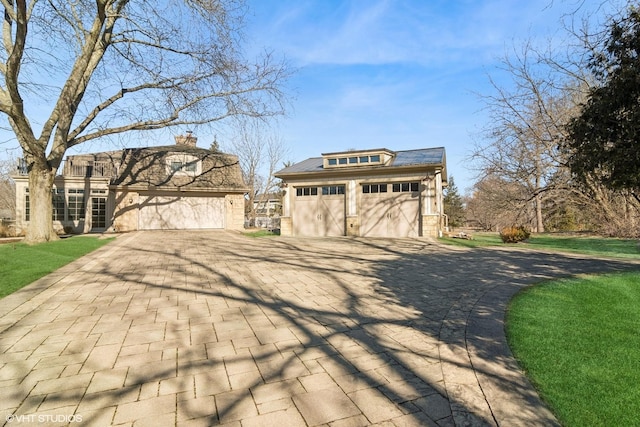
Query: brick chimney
{"x": 188, "y": 139}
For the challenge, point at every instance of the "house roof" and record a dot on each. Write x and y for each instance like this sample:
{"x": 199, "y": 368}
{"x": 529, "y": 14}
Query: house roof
{"x": 149, "y": 167}
{"x": 420, "y": 157}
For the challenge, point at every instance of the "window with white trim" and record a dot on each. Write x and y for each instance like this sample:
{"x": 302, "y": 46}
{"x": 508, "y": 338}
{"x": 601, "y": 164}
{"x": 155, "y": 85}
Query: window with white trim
{"x": 184, "y": 164}
{"x": 374, "y": 188}
{"x": 306, "y": 191}
{"x": 406, "y": 187}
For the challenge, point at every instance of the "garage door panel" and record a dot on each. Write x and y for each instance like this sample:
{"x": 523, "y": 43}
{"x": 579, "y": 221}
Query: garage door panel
{"x": 306, "y": 217}
{"x": 406, "y": 217}
{"x": 390, "y": 215}
{"x": 374, "y": 215}
{"x": 181, "y": 213}
{"x": 320, "y": 215}
{"x": 333, "y": 215}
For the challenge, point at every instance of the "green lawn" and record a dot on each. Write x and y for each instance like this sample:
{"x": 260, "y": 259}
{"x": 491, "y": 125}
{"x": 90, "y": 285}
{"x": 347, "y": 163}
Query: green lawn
{"x": 21, "y": 264}
{"x": 261, "y": 233}
{"x": 578, "y": 340}
{"x": 624, "y": 248}
{"x": 479, "y": 240}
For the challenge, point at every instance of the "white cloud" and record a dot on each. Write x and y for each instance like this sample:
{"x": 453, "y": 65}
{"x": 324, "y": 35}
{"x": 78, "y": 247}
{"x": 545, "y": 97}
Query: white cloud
{"x": 393, "y": 31}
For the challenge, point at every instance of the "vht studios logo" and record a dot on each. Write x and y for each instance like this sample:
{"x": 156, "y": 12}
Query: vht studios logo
{"x": 44, "y": 418}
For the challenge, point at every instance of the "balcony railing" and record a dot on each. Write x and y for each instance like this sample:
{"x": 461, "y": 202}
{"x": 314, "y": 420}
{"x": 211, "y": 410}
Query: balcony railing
{"x": 88, "y": 169}
{"x": 22, "y": 167}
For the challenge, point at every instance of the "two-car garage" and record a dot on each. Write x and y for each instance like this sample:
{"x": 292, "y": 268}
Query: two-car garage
{"x": 180, "y": 212}
{"x": 367, "y": 193}
{"x": 382, "y": 209}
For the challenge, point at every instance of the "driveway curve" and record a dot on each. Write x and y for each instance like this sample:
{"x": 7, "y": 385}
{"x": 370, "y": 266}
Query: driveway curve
{"x": 206, "y": 328}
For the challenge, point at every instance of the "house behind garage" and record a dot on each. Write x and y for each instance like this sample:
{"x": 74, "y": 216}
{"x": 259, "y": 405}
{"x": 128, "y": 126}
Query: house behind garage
{"x": 180, "y": 186}
{"x": 372, "y": 193}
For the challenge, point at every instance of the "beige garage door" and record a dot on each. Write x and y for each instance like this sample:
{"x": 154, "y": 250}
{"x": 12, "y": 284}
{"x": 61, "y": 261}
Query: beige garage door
{"x": 319, "y": 211}
{"x": 390, "y": 210}
{"x": 180, "y": 212}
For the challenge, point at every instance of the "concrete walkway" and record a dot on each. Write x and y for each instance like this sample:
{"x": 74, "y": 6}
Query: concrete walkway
{"x": 206, "y": 328}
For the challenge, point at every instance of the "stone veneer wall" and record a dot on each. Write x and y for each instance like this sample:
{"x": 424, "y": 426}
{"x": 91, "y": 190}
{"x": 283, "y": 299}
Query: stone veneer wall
{"x": 431, "y": 226}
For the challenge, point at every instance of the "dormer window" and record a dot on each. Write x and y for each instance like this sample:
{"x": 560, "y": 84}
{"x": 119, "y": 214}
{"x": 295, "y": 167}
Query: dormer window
{"x": 358, "y": 158}
{"x": 184, "y": 165}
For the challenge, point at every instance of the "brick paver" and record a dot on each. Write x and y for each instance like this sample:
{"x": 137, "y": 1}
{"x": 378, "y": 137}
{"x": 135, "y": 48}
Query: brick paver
{"x": 210, "y": 327}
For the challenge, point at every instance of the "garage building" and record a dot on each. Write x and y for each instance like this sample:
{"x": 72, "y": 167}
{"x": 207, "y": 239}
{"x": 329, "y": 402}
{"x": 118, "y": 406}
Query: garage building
{"x": 369, "y": 193}
{"x": 176, "y": 187}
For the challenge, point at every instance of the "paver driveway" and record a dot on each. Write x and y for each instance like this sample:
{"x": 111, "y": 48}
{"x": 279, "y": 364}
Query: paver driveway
{"x": 207, "y": 328}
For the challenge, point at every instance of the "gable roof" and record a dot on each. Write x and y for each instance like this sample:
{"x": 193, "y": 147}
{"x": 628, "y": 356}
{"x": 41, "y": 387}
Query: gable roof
{"x": 429, "y": 157}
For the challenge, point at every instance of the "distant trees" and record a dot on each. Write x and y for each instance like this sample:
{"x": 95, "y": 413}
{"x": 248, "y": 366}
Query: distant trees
{"x": 561, "y": 150}
{"x": 260, "y": 150}
{"x": 493, "y": 203}
{"x": 453, "y": 204}
{"x": 526, "y": 125}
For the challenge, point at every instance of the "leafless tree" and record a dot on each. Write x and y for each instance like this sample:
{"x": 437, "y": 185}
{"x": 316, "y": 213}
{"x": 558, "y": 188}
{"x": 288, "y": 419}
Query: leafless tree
{"x": 493, "y": 203}
{"x": 77, "y": 71}
{"x": 519, "y": 155}
{"x": 526, "y": 126}
{"x": 260, "y": 150}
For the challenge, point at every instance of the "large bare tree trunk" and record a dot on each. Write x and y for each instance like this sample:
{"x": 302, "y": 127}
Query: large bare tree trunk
{"x": 40, "y": 213}
{"x": 539, "y": 218}
{"x": 148, "y": 81}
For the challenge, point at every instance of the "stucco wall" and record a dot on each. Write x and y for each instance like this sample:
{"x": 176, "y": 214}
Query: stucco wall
{"x": 125, "y": 214}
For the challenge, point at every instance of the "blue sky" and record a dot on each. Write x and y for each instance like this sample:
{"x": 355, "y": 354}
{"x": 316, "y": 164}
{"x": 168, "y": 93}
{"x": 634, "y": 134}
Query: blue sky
{"x": 396, "y": 74}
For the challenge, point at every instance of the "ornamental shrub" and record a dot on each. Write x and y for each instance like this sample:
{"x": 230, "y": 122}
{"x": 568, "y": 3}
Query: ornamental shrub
{"x": 514, "y": 234}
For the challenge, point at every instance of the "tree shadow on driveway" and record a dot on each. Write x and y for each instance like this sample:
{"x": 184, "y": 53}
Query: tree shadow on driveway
{"x": 212, "y": 327}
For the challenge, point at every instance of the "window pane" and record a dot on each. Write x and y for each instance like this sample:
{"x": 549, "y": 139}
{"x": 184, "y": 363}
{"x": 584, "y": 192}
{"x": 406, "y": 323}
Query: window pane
{"x": 414, "y": 186}
{"x": 396, "y": 188}
{"x": 365, "y": 189}
{"x": 364, "y": 159}
{"x": 375, "y": 158}
{"x": 342, "y": 160}
{"x": 325, "y": 191}
{"x": 190, "y": 167}
{"x": 76, "y": 207}
{"x": 306, "y": 191}
{"x": 298, "y": 191}
{"x": 383, "y": 188}
{"x": 314, "y": 191}
{"x": 176, "y": 166}
{"x": 374, "y": 188}
{"x": 58, "y": 206}
{"x": 332, "y": 162}
{"x": 353, "y": 160}
{"x": 333, "y": 190}
{"x": 405, "y": 186}
{"x": 340, "y": 189}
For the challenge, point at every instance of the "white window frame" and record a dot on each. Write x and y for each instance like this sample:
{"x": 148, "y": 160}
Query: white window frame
{"x": 184, "y": 164}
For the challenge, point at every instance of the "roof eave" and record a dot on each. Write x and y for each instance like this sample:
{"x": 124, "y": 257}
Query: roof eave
{"x": 358, "y": 171}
